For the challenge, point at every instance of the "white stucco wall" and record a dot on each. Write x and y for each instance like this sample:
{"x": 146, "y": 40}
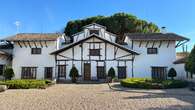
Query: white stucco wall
{"x": 22, "y": 57}
{"x": 181, "y": 73}
{"x": 143, "y": 62}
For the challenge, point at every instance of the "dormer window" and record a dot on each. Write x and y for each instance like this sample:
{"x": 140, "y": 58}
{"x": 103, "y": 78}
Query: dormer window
{"x": 93, "y": 31}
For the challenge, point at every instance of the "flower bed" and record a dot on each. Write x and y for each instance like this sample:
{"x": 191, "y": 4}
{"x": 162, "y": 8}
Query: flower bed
{"x": 26, "y": 84}
{"x": 152, "y": 84}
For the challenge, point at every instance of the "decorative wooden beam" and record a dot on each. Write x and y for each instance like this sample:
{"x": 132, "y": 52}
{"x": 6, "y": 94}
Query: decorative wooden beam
{"x": 45, "y": 44}
{"x": 160, "y": 44}
{"x": 140, "y": 43}
{"x": 153, "y": 44}
{"x": 29, "y": 44}
{"x": 24, "y": 44}
{"x": 19, "y": 44}
{"x": 41, "y": 44}
{"x": 123, "y": 56}
{"x": 147, "y": 44}
{"x": 179, "y": 44}
{"x": 168, "y": 43}
{"x": 35, "y": 44}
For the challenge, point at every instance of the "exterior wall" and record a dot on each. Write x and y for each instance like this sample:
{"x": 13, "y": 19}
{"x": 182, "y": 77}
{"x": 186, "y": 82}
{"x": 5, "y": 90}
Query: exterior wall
{"x": 103, "y": 33}
{"x": 22, "y": 57}
{"x": 181, "y": 73}
{"x": 107, "y": 57}
{"x": 143, "y": 62}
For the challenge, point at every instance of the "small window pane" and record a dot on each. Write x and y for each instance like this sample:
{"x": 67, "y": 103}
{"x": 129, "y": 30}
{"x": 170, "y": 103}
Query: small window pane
{"x": 94, "y": 52}
{"x": 36, "y": 51}
{"x": 94, "y": 32}
{"x": 29, "y": 72}
{"x": 152, "y": 50}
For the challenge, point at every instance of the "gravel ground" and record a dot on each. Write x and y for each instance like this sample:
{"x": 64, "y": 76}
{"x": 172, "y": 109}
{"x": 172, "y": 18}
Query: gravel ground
{"x": 96, "y": 97}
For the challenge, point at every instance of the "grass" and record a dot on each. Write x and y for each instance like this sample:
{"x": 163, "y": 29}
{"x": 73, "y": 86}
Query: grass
{"x": 147, "y": 83}
{"x": 26, "y": 84}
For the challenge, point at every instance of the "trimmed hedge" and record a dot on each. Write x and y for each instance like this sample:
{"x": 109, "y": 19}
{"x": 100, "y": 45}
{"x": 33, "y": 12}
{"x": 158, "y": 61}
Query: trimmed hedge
{"x": 146, "y": 83}
{"x": 26, "y": 84}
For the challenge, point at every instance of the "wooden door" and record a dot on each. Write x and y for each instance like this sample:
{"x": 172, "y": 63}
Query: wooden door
{"x": 87, "y": 71}
{"x": 48, "y": 72}
{"x": 101, "y": 72}
{"x": 122, "y": 72}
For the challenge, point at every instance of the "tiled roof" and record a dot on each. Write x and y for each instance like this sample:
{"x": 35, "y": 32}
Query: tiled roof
{"x": 180, "y": 61}
{"x": 33, "y": 37}
{"x": 155, "y": 36}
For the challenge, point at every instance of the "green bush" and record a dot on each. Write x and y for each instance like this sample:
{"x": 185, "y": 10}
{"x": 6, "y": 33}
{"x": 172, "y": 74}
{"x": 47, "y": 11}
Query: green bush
{"x": 146, "y": 83}
{"x": 8, "y": 73}
{"x": 172, "y": 73}
{"x": 74, "y": 74}
{"x": 26, "y": 84}
{"x": 111, "y": 72}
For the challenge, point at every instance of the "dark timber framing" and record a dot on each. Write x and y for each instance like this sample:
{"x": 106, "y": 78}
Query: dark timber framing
{"x": 90, "y": 59}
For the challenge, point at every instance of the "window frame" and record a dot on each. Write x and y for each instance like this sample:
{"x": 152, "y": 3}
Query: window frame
{"x": 96, "y": 31}
{"x": 152, "y": 51}
{"x": 46, "y": 70}
{"x": 36, "y": 51}
{"x": 94, "y": 52}
{"x": 27, "y": 72}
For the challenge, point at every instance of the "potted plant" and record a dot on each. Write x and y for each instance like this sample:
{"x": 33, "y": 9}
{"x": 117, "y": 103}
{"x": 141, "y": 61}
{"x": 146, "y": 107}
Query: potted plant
{"x": 111, "y": 74}
{"x": 74, "y": 74}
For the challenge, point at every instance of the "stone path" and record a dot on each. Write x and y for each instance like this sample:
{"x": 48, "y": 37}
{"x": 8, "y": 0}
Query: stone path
{"x": 96, "y": 97}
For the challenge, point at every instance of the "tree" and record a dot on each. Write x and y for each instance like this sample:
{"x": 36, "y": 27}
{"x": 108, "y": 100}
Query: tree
{"x": 172, "y": 73}
{"x": 111, "y": 73}
{"x": 74, "y": 74}
{"x": 8, "y": 73}
{"x": 190, "y": 62}
{"x": 118, "y": 23}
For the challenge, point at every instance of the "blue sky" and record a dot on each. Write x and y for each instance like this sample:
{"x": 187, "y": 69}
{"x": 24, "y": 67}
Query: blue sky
{"x": 52, "y": 15}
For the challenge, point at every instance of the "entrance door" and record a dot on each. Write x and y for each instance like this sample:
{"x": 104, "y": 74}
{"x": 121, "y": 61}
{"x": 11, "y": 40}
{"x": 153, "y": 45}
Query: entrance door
{"x": 122, "y": 72}
{"x": 100, "y": 72}
{"x": 48, "y": 72}
{"x": 87, "y": 71}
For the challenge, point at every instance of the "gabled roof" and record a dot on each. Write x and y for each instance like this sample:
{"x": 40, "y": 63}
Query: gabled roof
{"x": 93, "y": 35}
{"x": 156, "y": 36}
{"x": 92, "y": 24}
{"x": 33, "y": 37}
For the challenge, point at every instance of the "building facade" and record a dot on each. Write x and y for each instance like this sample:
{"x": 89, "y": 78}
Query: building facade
{"x": 93, "y": 52}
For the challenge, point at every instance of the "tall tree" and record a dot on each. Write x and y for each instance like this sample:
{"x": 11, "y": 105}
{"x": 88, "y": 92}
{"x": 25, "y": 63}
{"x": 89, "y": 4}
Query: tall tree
{"x": 190, "y": 63}
{"x": 118, "y": 23}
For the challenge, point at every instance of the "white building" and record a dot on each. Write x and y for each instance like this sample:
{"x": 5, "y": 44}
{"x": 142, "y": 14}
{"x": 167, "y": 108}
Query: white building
{"x": 93, "y": 51}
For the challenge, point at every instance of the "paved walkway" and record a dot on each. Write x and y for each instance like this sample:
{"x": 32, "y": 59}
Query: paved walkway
{"x": 96, "y": 97}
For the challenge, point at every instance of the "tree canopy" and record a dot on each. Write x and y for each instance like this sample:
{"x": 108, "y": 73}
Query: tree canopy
{"x": 190, "y": 63}
{"x": 118, "y": 24}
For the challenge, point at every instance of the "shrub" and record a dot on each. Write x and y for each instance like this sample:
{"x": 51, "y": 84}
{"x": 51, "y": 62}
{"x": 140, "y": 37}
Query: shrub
{"x": 8, "y": 73}
{"x": 111, "y": 73}
{"x": 25, "y": 84}
{"x": 146, "y": 83}
{"x": 172, "y": 73}
{"x": 74, "y": 74}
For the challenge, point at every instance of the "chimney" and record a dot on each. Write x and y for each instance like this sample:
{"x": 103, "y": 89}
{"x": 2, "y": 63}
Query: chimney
{"x": 163, "y": 30}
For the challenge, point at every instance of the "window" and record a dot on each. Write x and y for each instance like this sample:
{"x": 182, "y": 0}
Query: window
{"x": 29, "y": 72}
{"x": 152, "y": 50}
{"x": 48, "y": 72}
{"x": 35, "y": 50}
{"x": 122, "y": 73}
{"x": 159, "y": 72}
{"x": 1, "y": 69}
{"x": 101, "y": 72}
{"x": 94, "y": 52}
{"x": 62, "y": 71}
{"x": 94, "y": 32}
